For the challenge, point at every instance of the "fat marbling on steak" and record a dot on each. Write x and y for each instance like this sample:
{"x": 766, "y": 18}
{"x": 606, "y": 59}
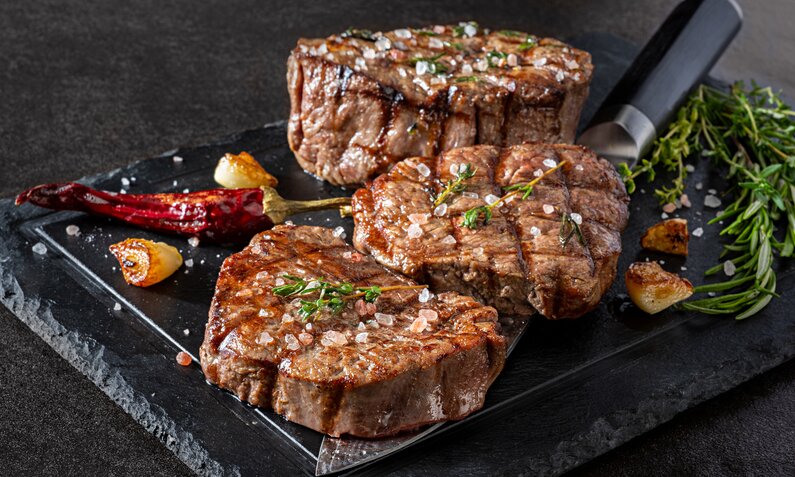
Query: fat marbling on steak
{"x": 362, "y": 101}
{"x": 356, "y": 372}
{"x": 516, "y": 262}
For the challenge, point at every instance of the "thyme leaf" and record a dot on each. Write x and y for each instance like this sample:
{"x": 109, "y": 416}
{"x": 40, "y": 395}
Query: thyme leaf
{"x": 456, "y": 184}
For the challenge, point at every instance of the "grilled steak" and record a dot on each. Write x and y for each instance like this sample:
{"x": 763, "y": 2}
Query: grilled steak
{"x": 516, "y": 262}
{"x": 415, "y": 361}
{"x": 361, "y": 102}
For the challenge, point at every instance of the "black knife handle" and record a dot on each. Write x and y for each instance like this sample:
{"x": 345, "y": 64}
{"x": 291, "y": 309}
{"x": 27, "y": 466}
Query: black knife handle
{"x": 674, "y": 61}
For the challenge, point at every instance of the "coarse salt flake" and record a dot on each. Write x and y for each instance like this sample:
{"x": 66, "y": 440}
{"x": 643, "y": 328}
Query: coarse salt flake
{"x": 435, "y": 43}
{"x": 728, "y": 268}
{"x": 690, "y": 168}
{"x": 663, "y": 216}
{"x": 712, "y": 201}
{"x": 186, "y": 332}
{"x": 384, "y": 319}
{"x": 449, "y": 240}
{"x": 576, "y": 218}
{"x": 362, "y": 337}
{"x": 578, "y": 167}
{"x": 513, "y": 60}
{"x": 535, "y": 231}
{"x": 470, "y": 30}
{"x": 193, "y": 242}
{"x": 559, "y": 76}
{"x": 39, "y": 248}
{"x": 470, "y": 195}
{"x": 548, "y": 209}
{"x": 685, "y": 201}
{"x": 539, "y": 62}
{"x": 572, "y": 65}
{"x": 368, "y": 53}
{"x": 538, "y": 173}
{"x": 418, "y": 218}
{"x": 264, "y": 338}
{"x": 466, "y": 69}
{"x": 699, "y": 186}
{"x": 189, "y": 262}
{"x": 697, "y": 232}
{"x": 550, "y": 163}
{"x": 491, "y": 198}
{"x": 403, "y": 34}
{"x": 72, "y": 230}
{"x": 177, "y": 159}
{"x": 339, "y": 232}
{"x": 418, "y": 325}
{"x": 424, "y": 296}
{"x": 428, "y": 314}
{"x": 414, "y": 231}
{"x": 292, "y": 342}
{"x": 116, "y": 307}
{"x": 421, "y": 67}
{"x": 440, "y": 210}
{"x": 383, "y": 44}
{"x": 423, "y": 169}
{"x": 669, "y": 208}
{"x": 306, "y": 339}
{"x": 125, "y": 182}
{"x": 279, "y": 282}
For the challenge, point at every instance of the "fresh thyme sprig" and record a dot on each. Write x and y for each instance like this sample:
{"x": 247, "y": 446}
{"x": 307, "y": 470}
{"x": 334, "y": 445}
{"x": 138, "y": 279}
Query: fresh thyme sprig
{"x": 568, "y": 229}
{"x": 435, "y": 67}
{"x": 751, "y": 131}
{"x": 331, "y": 295}
{"x": 472, "y": 216}
{"x": 456, "y": 184}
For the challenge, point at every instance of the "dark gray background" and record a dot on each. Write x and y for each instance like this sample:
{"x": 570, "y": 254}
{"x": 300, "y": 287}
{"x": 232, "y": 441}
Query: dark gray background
{"x": 87, "y": 88}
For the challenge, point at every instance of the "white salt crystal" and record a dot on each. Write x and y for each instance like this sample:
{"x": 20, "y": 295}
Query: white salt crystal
{"x": 403, "y": 34}
{"x": 449, "y": 240}
{"x": 193, "y": 242}
{"x": 39, "y": 248}
{"x": 535, "y": 231}
{"x": 572, "y": 65}
{"x": 435, "y": 43}
{"x": 322, "y": 49}
{"x": 186, "y": 332}
{"x": 712, "y": 191}
{"x": 176, "y": 159}
{"x": 453, "y": 169}
{"x": 578, "y": 167}
{"x": 339, "y": 232}
{"x": 278, "y": 282}
{"x": 174, "y": 183}
{"x": 419, "y": 218}
{"x": 729, "y": 268}
{"x": 663, "y": 216}
{"x": 690, "y": 168}
{"x": 384, "y": 319}
{"x": 712, "y": 201}
{"x": 421, "y": 67}
{"x": 189, "y": 262}
{"x": 423, "y": 169}
{"x": 185, "y": 190}
{"x": 699, "y": 186}
{"x": 481, "y": 65}
{"x": 577, "y": 218}
{"x": 361, "y": 326}
{"x": 550, "y": 163}
{"x": 424, "y": 296}
{"x": 697, "y": 232}
{"x": 72, "y": 230}
{"x": 125, "y": 182}
{"x": 470, "y": 195}
{"x": 548, "y": 209}
{"x": 264, "y": 338}
{"x": 418, "y": 325}
{"x": 539, "y": 62}
{"x": 362, "y": 337}
{"x": 414, "y": 231}
{"x": 292, "y": 342}
{"x": 513, "y": 60}
{"x": 116, "y": 307}
{"x": 466, "y": 69}
{"x": 382, "y": 44}
{"x": 470, "y": 30}
{"x": 368, "y": 53}
{"x": 538, "y": 173}
{"x": 491, "y": 198}
{"x": 559, "y": 76}
{"x": 440, "y": 210}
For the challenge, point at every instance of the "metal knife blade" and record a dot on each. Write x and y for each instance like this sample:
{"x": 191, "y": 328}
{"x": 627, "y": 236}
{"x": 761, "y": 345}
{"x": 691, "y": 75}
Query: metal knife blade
{"x": 671, "y": 64}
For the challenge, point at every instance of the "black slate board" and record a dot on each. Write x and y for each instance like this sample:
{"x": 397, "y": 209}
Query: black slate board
{"x": 570, "y": 391}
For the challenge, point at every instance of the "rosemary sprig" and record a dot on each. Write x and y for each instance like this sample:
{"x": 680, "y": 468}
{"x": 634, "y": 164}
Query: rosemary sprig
{"x": 568, "y": 229}
{"x": 331, "y": 295}
{"x": 456, "y": 184}
{"x": 358, "y": 33}
{"x": 528, "y": 43}
{"x": 473, "y": 215}
{"x": 435, "y": 67}
{"x": 751, "y": 132}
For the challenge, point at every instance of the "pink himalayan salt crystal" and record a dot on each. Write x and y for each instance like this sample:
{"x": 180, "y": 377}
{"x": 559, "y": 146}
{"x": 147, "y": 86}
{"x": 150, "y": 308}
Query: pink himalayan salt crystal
{"x": 384, "y": 319}
{"x": 669, "y": 208}
{"x": 305, "y": 338}
{"x": 428, "y": 314}
{"x": 418, "y": 325}
{"x": 292, "y": 342}
{"x": 419, "y": 219}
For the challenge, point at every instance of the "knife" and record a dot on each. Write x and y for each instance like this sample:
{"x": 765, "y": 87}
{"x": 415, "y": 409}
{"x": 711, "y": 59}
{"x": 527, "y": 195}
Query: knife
{"x": 673, "y": 62}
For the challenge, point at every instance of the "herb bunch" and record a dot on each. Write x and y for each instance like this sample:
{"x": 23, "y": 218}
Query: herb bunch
{"x": 332, "y": 296}
{"x": 473, "y": 215}
{"x": 752, "y": 132}
{"x": 455, "y": 185}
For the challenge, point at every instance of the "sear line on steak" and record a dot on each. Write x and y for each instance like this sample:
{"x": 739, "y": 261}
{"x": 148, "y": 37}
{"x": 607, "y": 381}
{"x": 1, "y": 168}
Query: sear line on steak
{"x": 361, "y": 102}
{"x": 516, "y": 263}
{"x": 367, "y": 374}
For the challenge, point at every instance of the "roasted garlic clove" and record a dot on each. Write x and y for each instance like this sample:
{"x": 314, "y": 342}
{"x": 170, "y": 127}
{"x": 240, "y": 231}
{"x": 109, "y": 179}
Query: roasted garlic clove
{"x": 242, "y": 171}
{"x": 144, "y": 262}
{"x": 652, "y": 289}
{"x": 668, "y": 236}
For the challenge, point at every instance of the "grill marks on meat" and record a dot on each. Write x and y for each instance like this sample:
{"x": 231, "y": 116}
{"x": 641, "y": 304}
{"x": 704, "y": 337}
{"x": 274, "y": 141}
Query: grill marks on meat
{"x": 358, "y": 107}
{"x": 516, "y": 262}
{"x": 393, "y": 380}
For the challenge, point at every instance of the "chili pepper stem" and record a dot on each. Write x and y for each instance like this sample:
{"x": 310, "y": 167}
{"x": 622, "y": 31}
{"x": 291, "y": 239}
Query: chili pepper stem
{"x": 278, "y": 208}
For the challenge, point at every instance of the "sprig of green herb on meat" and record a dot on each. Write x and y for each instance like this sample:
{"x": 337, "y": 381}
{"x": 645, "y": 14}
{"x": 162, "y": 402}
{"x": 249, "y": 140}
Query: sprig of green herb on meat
{"x": 456, "y": 184}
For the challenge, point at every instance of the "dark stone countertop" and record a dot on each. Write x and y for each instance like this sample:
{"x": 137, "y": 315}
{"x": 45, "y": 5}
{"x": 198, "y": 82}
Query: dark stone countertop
{"x": 85, "y": 89}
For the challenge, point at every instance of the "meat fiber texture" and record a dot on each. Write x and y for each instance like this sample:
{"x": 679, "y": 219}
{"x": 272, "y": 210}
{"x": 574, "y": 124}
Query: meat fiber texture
{"x": 353, "y": 372}
{"x": 515, "y": 263}
{"x": 360, "y": 102}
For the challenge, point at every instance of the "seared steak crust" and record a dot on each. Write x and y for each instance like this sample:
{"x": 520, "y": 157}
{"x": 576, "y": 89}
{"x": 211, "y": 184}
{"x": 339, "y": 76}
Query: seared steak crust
{"x": 378, "y": 384}
{"x": 360, "y": 105}
{"x": 516, "y": 263}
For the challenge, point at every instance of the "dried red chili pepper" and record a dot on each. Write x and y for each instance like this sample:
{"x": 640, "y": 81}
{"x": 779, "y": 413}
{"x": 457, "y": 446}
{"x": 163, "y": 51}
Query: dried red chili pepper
{"x": 217, "y": 215}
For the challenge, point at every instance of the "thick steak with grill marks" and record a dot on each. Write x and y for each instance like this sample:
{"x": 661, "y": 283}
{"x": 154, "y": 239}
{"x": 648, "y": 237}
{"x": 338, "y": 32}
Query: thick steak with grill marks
{"x": 349, "y": 373}
{"x": 515, "y": 263}
{"x": 362, "y": 102}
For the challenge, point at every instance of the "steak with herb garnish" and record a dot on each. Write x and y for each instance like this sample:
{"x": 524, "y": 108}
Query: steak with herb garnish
{"x": 362, "y": 101}
{"x": 368, "y": 370}
{"x": 555, "y": 251}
